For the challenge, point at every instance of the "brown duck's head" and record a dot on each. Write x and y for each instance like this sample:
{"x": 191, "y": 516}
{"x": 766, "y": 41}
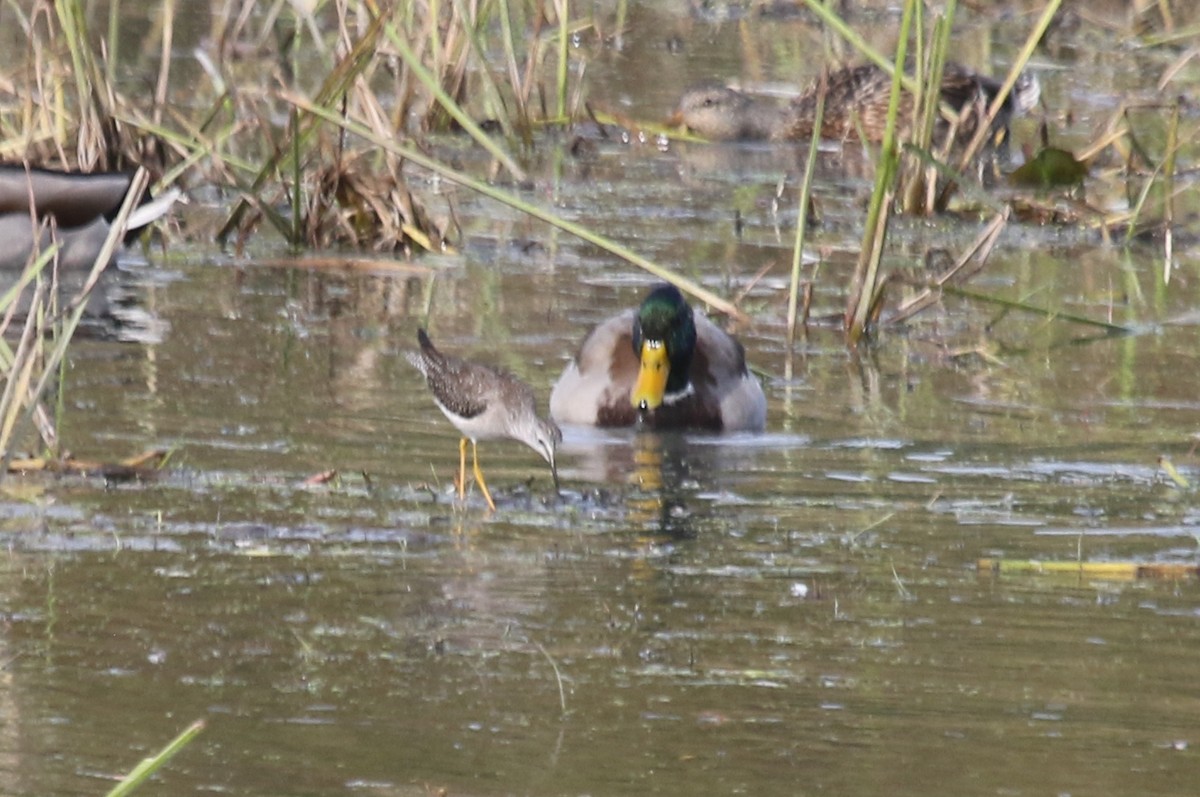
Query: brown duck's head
{"x": 718, "y": 113}
{"x": 664, "y": 340}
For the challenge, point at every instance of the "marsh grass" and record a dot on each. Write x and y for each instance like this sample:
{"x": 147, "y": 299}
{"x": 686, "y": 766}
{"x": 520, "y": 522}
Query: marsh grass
{"x": 1120, "y": 159}
{"x": 1152, "y": 186}
{"x": 910, "y": 161}
{"x": 148, "y": 766}
{"x": 347, "y": 120}
{"x": 512, "y": 200}
{"x": 404, "y": 72}
{"x": 71, "y": 113}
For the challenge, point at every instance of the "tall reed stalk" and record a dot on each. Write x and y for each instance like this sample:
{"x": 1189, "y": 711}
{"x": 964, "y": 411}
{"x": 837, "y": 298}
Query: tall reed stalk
{"x": 564, "y": 40}
{"x": 918, "y": 179}
{"x": 810, "y": 166}
{"x": 866, "y": 284}
{"x": 148, "y": 766}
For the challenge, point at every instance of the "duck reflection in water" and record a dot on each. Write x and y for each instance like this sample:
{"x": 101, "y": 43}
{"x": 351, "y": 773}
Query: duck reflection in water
{"x": 663, "y": 480}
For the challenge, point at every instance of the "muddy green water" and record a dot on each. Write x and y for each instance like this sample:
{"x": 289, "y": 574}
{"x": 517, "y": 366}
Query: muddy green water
{"x": 797, "y": 612}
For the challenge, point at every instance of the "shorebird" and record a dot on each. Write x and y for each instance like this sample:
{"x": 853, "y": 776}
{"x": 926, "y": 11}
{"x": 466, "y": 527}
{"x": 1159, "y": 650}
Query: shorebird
{"x": 483, "y": 403}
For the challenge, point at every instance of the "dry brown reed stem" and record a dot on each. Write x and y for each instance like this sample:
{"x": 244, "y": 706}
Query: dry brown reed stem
{"x": 164, "y": 71}
{"x": 19, "y": 373}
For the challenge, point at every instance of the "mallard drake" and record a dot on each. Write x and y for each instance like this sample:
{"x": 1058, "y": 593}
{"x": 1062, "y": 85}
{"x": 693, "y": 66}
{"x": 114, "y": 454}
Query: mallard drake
{"x": 856, "y": 100}
{"x": 663, "y": 365}
{"x": 483, "y": 403}
{"x": 82, "y": 207}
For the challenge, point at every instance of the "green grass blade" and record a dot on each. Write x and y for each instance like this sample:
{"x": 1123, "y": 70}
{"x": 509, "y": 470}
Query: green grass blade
{"x": 802, "y": 217}
{"x": 564, "y": 39}
{"x": 149, "y": 766}
{"x": 1025, "y": 307}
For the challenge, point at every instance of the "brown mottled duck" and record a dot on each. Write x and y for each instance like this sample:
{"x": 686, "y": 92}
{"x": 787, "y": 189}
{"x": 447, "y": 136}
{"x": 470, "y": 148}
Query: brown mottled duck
{"x": 856, "y": 102}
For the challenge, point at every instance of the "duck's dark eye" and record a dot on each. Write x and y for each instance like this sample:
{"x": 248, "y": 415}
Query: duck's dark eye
{"x": 709, "y": 102}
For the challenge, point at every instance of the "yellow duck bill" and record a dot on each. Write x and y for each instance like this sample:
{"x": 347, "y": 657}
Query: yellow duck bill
{"x": 651, "y": 385}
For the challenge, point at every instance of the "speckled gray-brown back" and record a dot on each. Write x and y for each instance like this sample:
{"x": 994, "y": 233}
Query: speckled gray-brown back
{"x": 484, "y": 402}
{"x": 464, "y": 387}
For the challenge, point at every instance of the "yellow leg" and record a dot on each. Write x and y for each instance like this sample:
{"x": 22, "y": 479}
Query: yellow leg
{"x": 479, "y": 478}
{"x": 461, "y": 483}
